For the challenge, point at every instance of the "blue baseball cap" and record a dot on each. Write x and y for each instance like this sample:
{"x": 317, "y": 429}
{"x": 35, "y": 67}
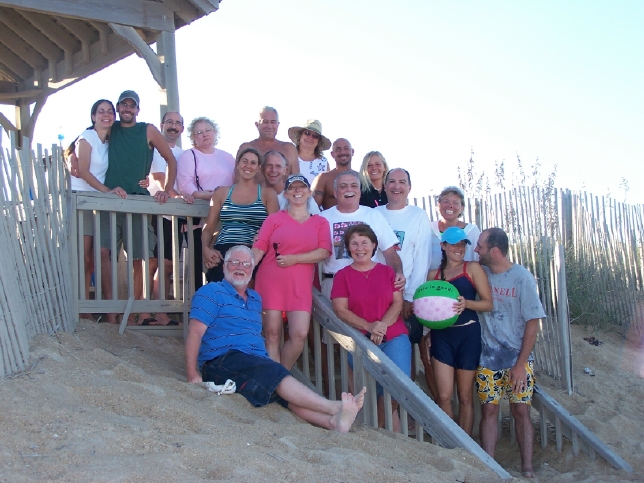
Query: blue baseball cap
{"x": 453, "y": 235}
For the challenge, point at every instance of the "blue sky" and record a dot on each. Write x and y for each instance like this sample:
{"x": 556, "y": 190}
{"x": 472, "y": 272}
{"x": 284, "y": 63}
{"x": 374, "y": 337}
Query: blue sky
{"x": 424, "y": 82}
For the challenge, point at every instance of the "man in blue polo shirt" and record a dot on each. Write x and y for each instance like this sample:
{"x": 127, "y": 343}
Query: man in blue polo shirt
{"x": 225, "y": 342}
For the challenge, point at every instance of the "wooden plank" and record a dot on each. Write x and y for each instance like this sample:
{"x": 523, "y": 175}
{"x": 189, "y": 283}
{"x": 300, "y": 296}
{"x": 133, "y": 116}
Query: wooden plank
{"x": 568, "y": 420}
{"x": 137, "y": 13}
{"x": 29, "y": 34}
{"x": 141, "y": 204}
{"x": 52, "y": 31}
{"x": 16, "y": 64}
{"x": 22, "y": 49}
{"x": 21, "y": 94}
{"x": 183, "y": 9}
{"x": 134, "y": 39}
{"x": 446, "y": 432}
{"x": 207, "y": 6}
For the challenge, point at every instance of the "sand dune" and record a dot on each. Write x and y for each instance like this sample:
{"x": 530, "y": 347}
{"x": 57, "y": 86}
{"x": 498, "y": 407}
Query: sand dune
{"x": 96, "y": 406}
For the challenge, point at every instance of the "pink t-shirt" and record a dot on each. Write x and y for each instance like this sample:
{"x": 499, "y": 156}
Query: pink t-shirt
{"x": 214, "y": 170}
{"x": 371, "y": 297}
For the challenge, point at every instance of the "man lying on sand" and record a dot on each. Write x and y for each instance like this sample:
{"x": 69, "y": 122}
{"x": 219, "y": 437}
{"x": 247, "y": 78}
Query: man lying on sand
{"x": 225, "y": 342}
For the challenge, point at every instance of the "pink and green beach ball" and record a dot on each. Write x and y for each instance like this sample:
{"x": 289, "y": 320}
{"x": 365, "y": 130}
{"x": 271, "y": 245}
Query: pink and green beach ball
{"x": 434, "y": 304}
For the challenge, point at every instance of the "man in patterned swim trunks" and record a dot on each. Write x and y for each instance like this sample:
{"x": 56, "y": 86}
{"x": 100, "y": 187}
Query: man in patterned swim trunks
{"x": 225, "y": 342}
{"x": 508, "y": 335}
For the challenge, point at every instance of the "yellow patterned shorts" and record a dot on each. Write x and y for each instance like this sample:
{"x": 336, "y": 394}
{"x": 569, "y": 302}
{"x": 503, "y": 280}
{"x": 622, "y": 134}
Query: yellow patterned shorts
{"x": 492, "y": 386}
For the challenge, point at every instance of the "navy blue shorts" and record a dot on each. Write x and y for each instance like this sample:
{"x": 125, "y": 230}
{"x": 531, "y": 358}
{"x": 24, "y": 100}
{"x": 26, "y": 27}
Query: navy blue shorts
{"x": 256, "y": 377}
{"x": 457, "y": 346}
{"x": 415, "y": 329}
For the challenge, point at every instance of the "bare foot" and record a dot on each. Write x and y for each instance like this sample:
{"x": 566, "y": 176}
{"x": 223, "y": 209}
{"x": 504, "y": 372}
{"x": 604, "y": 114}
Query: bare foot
{"x": 528, "y": 473}
{"x": 349, "y": 408}
{"x": 86, "y": 317}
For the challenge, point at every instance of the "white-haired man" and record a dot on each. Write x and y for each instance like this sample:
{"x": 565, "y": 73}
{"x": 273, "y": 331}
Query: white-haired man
{"x": 225, "y": 342}
{"x": 348, "y": 212}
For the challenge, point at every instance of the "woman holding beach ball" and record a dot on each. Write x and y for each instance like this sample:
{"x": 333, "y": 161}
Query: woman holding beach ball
{"x": 455, "y": 350}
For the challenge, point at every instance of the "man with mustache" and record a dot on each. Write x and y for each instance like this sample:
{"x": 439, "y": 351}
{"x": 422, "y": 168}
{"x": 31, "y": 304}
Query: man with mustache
{"x": 267, "y": 126}
{"x": 348, "y": 212}
{"x": 322, "y": 187}
{"x": 171, "y": 129}
{"x": 225, "y": 342}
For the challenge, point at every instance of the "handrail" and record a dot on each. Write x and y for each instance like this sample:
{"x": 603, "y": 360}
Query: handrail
{"x": 408, "y": 395}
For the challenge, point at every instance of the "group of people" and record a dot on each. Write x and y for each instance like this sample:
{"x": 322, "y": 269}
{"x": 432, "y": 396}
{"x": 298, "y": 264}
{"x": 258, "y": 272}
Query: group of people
{"x": 277, "y": 211}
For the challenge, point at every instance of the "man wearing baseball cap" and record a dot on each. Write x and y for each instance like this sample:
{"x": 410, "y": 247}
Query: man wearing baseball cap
{"x": 130, "y": 153}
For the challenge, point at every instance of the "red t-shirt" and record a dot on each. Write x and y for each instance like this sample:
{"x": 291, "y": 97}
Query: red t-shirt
{"x": 369, "y": 297}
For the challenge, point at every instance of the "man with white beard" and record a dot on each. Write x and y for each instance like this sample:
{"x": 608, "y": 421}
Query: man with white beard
{"x": 225, "y": 342}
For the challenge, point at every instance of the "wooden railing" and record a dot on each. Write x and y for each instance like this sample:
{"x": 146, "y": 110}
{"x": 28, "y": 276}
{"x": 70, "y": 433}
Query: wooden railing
{"x": 371, "y": 365}
{"x": 124, "y": 303}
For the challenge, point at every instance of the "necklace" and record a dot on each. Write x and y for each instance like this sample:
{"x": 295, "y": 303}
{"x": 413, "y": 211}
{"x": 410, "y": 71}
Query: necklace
{"x": 366, "y": 273}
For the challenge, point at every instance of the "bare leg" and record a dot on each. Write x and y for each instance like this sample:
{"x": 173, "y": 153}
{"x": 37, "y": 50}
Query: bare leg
{"x": 106, "y": 280}
{"x": 88, "y": 251}
{"x": 465, "y": 387}
{"x": 272, "y": 321}
{"x": 444, "y": 375}
{"x": 488, "y": 429}
{"x": 395, "y": 418}
{"x": 298, "y": 329}
{"x": 138, "y": 291}
{"x": 427, "y": 364}
{"x": 334, "y": 415}
{"x": 525, "y": 436}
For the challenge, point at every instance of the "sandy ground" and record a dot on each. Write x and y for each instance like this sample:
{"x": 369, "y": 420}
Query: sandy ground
{"x": 96, "y": 406}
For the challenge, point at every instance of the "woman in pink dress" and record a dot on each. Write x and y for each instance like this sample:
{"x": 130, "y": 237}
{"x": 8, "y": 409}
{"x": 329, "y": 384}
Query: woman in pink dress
{"x": 291, "y": 242}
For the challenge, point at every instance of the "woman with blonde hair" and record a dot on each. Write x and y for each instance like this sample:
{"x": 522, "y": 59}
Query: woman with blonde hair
{"x": 373, "y": 172}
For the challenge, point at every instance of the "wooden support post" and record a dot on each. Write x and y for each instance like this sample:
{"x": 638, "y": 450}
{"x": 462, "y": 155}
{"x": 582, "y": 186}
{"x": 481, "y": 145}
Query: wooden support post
{"x": 166, "y": 52}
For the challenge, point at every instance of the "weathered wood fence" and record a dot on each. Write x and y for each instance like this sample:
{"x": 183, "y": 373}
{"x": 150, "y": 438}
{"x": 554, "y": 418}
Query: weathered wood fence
{"x": 35, "y": 272}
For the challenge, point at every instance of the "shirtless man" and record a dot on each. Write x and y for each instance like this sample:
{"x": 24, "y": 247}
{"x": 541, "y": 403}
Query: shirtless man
{"x": 267, "y": 128}
{"x": 274, "y": 170}
{"x": 322, "y": 187}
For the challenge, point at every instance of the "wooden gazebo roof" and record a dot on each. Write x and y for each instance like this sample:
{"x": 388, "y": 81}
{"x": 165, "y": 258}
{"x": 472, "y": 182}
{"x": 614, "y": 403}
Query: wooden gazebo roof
{"x": 47, "y": 45}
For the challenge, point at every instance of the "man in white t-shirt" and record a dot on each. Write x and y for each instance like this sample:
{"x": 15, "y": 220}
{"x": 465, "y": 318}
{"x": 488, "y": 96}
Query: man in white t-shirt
{"x": 348, "y": 212}
{"x": 171, "y": 129}
{"x": 274, "y": 171}
{"x": 411, "y": 226}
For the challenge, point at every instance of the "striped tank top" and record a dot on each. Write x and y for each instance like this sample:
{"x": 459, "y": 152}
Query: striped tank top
{"x": 240, "y": 223}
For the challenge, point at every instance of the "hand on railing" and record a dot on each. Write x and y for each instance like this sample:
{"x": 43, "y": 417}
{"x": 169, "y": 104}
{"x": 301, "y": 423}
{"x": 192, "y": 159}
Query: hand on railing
{"x": 161, "y": 196}
{"x": 188, "y": 198}
{"x": 211, "y": 257}
{"x": 118, "y": 191}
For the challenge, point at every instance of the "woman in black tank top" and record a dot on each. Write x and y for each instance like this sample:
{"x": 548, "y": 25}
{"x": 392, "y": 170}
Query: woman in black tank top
{"x": 241, "y": 208}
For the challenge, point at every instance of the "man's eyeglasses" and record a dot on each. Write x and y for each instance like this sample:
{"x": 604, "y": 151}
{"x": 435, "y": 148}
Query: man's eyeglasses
{"x": 237, "y": 263}
{"x": 173, "y": 123}
{"x": 313, "y": 134}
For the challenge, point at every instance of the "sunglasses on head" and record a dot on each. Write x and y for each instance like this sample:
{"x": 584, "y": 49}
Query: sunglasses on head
{"x": 313, "y": 134}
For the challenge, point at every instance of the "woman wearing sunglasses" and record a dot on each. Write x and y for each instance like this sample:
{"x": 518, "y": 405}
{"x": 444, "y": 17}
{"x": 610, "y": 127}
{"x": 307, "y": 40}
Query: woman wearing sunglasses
{"x": 310, "y": 143}
{"x": 291, "y": 242}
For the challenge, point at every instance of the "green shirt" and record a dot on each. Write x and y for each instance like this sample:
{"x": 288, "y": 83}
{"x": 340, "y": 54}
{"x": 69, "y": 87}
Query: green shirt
{"x": 130, "y": 158}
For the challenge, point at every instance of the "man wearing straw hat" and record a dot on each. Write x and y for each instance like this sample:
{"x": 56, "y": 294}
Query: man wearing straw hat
{"x": 508, "y": 334}
{"x": 267, "y": 128}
